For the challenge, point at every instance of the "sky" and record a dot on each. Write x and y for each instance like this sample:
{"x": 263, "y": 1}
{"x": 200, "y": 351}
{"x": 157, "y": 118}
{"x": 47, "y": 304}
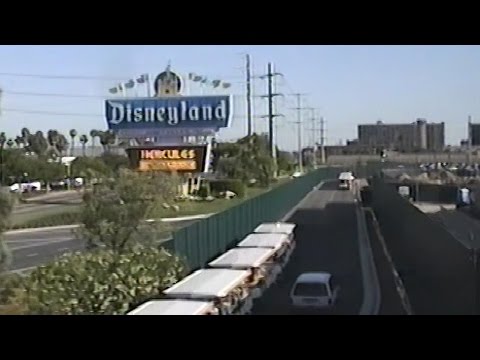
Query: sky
{"x": 64, "y": 86}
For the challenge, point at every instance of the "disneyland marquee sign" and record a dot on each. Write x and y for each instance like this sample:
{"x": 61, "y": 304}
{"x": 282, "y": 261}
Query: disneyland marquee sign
{"x": 198, "y": 112}
{"x": 173, "y": 158}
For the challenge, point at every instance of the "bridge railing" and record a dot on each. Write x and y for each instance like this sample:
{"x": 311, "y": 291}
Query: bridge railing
{"x": 206, "y": 239}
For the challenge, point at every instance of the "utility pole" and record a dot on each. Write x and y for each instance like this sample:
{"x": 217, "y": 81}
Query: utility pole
{"x": 469, "y": 144}
{"x": 249, "y": 96}
{"x": 322, "y": 140}
{"x": 314, "y": 136}
{"x": 299, "y": 123}
{"x": 271, "y": 116}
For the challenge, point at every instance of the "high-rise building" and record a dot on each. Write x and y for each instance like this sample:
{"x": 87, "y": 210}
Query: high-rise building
{"x": 474, "y": 131}
{"x": 417, "y": 136}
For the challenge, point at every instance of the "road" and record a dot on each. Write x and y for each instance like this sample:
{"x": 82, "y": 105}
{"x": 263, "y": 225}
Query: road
{"x": 32, "y": 249}
{"x": 327, "y": 240}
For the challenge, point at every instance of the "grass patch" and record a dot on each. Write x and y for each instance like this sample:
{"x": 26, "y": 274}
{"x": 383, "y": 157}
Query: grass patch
{"x": 70, "y": 214}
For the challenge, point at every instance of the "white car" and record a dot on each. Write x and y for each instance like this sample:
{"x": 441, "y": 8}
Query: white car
{"x": 314, "y": 290}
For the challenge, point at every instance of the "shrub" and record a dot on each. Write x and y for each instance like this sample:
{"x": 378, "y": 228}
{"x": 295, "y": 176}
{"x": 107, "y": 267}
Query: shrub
{"x": 235, "y": 186}
{"x": 204, "y": 190}
{"x": 101, "y": 281}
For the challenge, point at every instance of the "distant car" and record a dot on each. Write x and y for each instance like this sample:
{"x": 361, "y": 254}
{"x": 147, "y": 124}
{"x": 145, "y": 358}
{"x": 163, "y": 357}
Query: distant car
{"x": 297, "y": 174}
{"x": 314, "y": 290}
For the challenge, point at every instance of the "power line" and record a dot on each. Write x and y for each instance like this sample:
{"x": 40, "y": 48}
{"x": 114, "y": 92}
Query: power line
{"x": 42, "y": 112}
{"x": 21, "y": 93}
{"x": 83, "y": 77}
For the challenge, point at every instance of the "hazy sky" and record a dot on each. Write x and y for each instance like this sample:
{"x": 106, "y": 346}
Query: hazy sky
{"x": 350, "y": 84}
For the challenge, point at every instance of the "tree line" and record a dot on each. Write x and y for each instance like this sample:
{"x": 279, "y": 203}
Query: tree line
{"x": 124, "y": 263}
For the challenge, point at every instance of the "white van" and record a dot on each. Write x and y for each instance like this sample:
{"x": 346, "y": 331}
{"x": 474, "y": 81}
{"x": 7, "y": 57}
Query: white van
{"x": 314, "y": 290}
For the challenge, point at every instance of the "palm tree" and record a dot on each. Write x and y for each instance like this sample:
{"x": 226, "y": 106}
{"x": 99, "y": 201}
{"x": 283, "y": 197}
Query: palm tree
{"x": 73, "y": 135}
{"x": 83, "y": 141}
{"x": 93, "y": 134}
{"x": 107, "y": 138}
{"x": 25, "y": 135}
{"x": 19, "y": 141}
{"x": 3, "y": 139}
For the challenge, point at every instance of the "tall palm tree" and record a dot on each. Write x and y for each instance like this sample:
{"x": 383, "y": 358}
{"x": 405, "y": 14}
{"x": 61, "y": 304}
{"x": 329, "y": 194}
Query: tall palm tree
{"x": 73, "y": 134}
{"x": 93, "y": 134}
{"x": 84, "y": 141}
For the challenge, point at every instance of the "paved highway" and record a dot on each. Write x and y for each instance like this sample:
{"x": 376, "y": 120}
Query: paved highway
{"x": 326, "y": 241}
{"x": 34, "y": 248}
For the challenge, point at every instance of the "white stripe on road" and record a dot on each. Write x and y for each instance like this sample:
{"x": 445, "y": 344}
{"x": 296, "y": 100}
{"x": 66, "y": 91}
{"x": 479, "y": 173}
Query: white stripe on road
{"x": 43, "y": 243}
{"x": 36, "y": 240}
{"x": 66, "y": 227}
{"x": 22, "y": 270}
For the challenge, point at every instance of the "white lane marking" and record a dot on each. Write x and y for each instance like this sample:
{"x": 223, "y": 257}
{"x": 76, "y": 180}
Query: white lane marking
{"x": 33, "y": 254}
{"x": 42, "y": 244}
{"x": 37, "y": 240}
{"x": 22, "y": 270}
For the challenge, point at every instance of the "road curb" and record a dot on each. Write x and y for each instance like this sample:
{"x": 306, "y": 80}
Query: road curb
{"x": 67, "y": 227}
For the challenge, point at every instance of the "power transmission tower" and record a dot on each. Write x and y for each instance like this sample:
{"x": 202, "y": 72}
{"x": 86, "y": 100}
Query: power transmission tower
{"x": 271, "y": 116}
{"x": 249, "y": 96}
{"x": 299, "y": 123}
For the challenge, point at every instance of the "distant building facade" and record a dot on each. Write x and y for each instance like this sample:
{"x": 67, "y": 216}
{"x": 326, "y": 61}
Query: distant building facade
{"x": 416, "y": 136}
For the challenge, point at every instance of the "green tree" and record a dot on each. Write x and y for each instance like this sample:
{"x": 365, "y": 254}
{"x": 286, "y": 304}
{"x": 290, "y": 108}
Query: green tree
{"x": 115, "y": 162}
{"x": 114, "y": 213}
{"x": 89, "y": 168}
{"x": 249, "y": 158}
{"x": 6, "y": 206}
{"x": 38, "y": 144}
{"x": 101, "y": 282}
{"x": 58, "y": 142}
